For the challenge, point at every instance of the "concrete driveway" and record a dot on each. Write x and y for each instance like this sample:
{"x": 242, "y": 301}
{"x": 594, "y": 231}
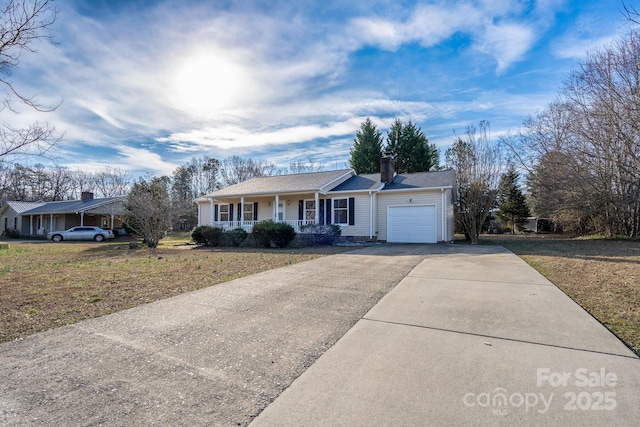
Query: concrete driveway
{"x": 426, "y": 335}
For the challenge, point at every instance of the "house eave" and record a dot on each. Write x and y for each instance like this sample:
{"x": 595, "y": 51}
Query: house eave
{"x": 398, "y": 190}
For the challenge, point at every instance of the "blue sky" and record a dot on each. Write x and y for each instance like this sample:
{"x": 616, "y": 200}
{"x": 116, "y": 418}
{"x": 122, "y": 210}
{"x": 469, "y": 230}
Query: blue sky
{"x": 147, "y": 85}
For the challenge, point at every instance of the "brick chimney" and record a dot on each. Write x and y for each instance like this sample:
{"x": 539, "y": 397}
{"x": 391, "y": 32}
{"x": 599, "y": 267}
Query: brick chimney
{"x": 387, "y": 168}
{"x": 86, "y": 195}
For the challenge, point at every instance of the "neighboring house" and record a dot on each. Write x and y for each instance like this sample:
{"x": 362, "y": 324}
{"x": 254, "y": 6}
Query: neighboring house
{"x": 62, "y": 215}
{"x": 409, "y": 208}
{"x": 11, "y": 214}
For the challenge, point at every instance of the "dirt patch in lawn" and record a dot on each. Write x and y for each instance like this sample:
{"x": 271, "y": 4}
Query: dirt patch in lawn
{"x": 601, "y": 275}
{"x": 45, "y": 285}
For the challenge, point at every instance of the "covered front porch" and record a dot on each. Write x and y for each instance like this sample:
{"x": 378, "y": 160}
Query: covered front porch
{"x": 297, "y": 210}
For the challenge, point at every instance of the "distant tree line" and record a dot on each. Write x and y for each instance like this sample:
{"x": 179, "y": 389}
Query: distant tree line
{"x": 582, "y": 153}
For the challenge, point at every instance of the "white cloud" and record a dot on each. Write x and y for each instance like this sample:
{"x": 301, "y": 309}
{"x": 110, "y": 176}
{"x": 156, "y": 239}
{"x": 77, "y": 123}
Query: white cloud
{"x": 506, "y": 42}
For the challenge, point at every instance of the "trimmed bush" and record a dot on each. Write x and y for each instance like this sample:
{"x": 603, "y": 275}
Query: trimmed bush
{"x": 321, "y": 234}
{"x": 268, "y": 233}
{"x": 206, "y": 235}
{"x": 260, "y": 233}
{"x": 282, "y": 234}
{"x": 235, "y": 237}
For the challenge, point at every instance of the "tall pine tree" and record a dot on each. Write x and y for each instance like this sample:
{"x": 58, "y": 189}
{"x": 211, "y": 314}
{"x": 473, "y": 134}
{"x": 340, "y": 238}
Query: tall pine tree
{"x": 411, "y": 149}
{"x": 367, "y": 149}
{"x": 513, "y": 203}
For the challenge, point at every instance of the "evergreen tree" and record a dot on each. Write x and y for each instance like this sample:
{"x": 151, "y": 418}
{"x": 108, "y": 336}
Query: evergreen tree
{"x": 513, "y": 203}
{"x": 367, "y": 149}
{"x": 411, "y": 149}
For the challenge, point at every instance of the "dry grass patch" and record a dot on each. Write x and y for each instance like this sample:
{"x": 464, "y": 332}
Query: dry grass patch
{"x": 603, "y": 276}
{"x": 45, "y": 285}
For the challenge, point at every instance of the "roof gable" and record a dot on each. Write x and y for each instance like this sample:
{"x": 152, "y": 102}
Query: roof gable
{"x": 20, "y": 207}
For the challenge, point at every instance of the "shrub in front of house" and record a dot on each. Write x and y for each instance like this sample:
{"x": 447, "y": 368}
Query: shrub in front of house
{"x": 319, "y": 235}
{"x": 267, "y": 233}
{"x": 234, "y": 237}
{"x": 206, "y": 235}
{"x": 12, "y": 233}
{"x": 282, "y": 234}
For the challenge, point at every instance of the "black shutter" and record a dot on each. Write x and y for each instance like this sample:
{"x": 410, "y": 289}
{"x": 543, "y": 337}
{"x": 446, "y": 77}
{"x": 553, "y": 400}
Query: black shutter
{"x": 327, "y": 212}
{"x": 230, "y": 211}
{"x": 352, "y": 211}
{"x": 300, "y": 210}
{"x": 321, "y": 212}
{"x": 255, "y": 211}
{"x": 239, "y": 210}
{"x": 215, "y": 212}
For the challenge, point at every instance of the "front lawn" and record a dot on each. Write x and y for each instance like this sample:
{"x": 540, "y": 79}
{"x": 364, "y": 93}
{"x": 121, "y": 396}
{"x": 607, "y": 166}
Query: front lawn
{"x": 46, "y": 285}
{"x": 601, "y": 275}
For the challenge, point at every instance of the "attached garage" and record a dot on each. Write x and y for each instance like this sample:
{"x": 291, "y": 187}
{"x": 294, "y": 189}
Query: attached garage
{"x": 412, "y": 224}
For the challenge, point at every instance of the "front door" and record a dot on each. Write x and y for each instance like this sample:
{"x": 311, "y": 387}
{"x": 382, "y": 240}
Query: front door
{"x": 280, "y": 213}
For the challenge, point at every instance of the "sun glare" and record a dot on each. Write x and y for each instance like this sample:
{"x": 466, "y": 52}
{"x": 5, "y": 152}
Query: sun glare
{"x": 207, "y": 84}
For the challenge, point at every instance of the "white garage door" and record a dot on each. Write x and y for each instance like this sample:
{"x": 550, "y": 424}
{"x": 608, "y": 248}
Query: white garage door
{"x": 411, "y": 224}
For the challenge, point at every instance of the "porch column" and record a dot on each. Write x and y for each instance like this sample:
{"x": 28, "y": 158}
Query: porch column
{"x": 51, "y": 222}
{"x": 241, "y": 212}
{"x": 30, "y": 225}
{"x": 316, "y": 219}
{"x": 41, "y": 222}
{"x": 82, "y": 218}
{"x": 276, "y": 208}
{"x": 113, "y": 217}
{"x": 212, "y": 212}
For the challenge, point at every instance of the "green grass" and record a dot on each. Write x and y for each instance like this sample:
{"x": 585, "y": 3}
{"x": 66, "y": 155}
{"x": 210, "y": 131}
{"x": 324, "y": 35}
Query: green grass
{"x": 45, "y": 285}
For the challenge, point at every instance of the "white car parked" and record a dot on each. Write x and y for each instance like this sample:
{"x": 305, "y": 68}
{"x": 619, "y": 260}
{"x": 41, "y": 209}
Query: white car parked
{"x": 81, "y": 233}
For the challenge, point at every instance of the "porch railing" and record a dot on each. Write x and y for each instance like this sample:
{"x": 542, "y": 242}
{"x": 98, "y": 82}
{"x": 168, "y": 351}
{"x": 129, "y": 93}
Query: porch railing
{"x": 248, "y": 225}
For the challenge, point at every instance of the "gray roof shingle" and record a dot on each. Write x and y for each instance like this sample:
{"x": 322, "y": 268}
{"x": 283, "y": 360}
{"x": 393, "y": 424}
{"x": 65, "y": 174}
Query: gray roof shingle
{"x": 71, "y": 206}
{"x": 20, "y": 207}
{"x": 411, "y": 181}
{"x": 419, "y": 180}
{"x": 360, "y": 183}
{"x": 302, "y": 182}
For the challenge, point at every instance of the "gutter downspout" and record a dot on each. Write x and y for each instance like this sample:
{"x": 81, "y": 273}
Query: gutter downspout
{"x": 444, "y": 216}
{"x": 371, "y": 214}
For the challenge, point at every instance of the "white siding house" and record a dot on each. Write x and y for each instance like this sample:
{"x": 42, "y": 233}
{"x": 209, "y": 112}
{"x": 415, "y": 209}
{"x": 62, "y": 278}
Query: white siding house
{"x": 416, "y": 208}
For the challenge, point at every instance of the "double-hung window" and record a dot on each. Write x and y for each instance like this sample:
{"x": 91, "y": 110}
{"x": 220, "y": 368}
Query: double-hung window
{"x": 340, "y": 211}
{"x": 223, "y": 213}
{"x": 247, "y": 210}
{"x": 310, "y": 210}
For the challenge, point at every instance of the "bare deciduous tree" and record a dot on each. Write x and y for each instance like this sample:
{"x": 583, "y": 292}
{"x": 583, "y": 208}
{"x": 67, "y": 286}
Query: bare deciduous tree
{"x": 148, "y": 210}
{"x": 236, "y": 169}
{"x": 22, "y": 23}
{"x": 112, "y": 182}
{"x": 582, "y": 152}
{"x": 478, "y": 164}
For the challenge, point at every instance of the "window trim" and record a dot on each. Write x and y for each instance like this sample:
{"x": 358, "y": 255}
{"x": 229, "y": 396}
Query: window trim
{"x": 246, "y": 217}
{"x": 305, "y": 210}
{"x": 228, "y": 212}
{"x": 345, "y": 209}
